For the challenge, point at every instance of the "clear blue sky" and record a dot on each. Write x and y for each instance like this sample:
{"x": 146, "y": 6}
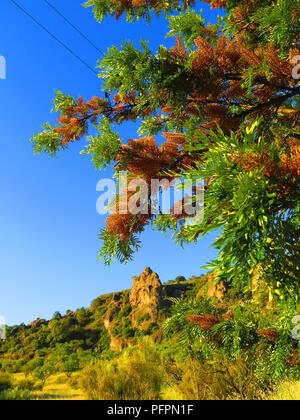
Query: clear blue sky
{"x": 48, "y": 219}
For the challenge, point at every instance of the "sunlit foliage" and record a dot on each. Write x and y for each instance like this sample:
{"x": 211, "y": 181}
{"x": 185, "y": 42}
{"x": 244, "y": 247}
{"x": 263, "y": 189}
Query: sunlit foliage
{"x": 225, "y": 100}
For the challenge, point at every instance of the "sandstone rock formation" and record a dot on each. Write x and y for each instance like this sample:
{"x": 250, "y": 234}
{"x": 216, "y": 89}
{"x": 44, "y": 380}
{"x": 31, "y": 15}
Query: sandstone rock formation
{"x": 146, "y": 297}
{"x": 212, "y": 287}
{"x": 146, "y": 289}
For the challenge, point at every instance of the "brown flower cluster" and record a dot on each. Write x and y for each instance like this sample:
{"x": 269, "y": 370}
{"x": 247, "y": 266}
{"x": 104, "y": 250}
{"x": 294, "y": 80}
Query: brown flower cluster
{"x": 205, "y": 322}
{"x": 286, "y": 171}
{"x": 125, "y": 225}
{"x": 74, "y": 118}
{"x": 123, "y": 6}
{"x": 147, "y": 160}
{"x": 214, "y": 85}
{"x": 122, "y": 223}
{"x": 144, "y": 159}
{"x": 215, "y": 4}
{"x": 294, "y": 359}
{"x": 268, "y": 334}
{"x": 216, "y": 80}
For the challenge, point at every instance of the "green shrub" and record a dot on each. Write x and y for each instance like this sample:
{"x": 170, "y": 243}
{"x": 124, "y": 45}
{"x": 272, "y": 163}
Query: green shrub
{"x": 32, "y": 365}
{"x": 218, "y": 380}
{"x": 44, "y": 372}
{"x": 5, "y": 382}
{"x": 38, "y": 386}
{"x": 180, "y": 279}
{"x": 139, "y": 377}
{"x": 124, "y": 312}
{"x": 126, "y": 296}
{"x": 74, "y": 381}
{"x": 70, "y": 365}
{"x": 26, "y": 384}
{"x": 15, "y": 394}
{"x": 152, "y": 327}
{"x": 142, "y": 318}
{"x": 103, "y": 343}
{"x": 123, "y": 329}
{"x": 82, "y": 316}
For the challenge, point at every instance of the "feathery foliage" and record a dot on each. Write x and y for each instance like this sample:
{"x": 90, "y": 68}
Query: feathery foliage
{"x": 225, "y": 100}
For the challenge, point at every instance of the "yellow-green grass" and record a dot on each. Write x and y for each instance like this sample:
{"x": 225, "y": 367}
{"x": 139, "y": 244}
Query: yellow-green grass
{"x": 56, "y": 388}
{"x": 286, "y": 391}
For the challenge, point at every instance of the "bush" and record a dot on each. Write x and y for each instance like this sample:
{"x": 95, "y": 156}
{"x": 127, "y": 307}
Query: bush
{"x": 218, "y": 380}
{"x": 74, "y": 381}
{"x": 180, "y": 279}
{"x": 15, "y": 394}
{"x": 82, "y": 316}
{"x": 125, "y": 311}
{"x": 44, "y": 372}
{"x": 103, "y": 343}
{"x": 152, "y": 327}
{"x": 26, "y": 384}
{"x": 39, "y": 386}
{"x": 142, "y": 318}
{"x": 139, "y": 377}
{"x": 71, "y": 365}
{"x": 33, "y": 364}
{"x": 123, "y": 329}
{"x": 5, "y": 382}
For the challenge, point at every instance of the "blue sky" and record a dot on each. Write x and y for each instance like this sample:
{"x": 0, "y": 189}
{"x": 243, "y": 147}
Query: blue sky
{"x": 48, "y": 221}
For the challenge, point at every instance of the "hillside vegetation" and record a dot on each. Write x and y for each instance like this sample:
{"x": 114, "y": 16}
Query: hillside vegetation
{"x": 186, "y": 339}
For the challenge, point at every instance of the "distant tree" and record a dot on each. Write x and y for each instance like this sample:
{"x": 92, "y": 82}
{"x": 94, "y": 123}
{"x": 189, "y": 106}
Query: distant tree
{"x": 32, "y": 365}
{"x": 72, "y": 364}
{"x": 82, "y": 316}
{"x": 44, "y": 372}
{"x": 63, "y": 351}
{"x": 5, "y": 382}
{"x": 61, "y": 329}
{"x": 103, "y": 343}
{"x": 57, "y": 315}
{"x": 180, "y": 279}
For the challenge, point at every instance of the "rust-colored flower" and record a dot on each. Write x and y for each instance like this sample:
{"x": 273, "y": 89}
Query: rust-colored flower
{"x": 205, "y": 322}
{"x": 294, "y": 359}
{"x": 270, "y": 335}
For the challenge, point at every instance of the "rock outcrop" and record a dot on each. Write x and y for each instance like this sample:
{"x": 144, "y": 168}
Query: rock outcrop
{"x": 144, "y": 307}
{"x": 146, "y": 289}
{"x": 212, "y": 288}
{"x": 146, "y": 298}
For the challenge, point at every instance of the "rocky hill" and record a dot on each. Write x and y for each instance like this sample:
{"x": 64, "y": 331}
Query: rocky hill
{"x": 140, "y": 310}
{"x": 112, "y": 322}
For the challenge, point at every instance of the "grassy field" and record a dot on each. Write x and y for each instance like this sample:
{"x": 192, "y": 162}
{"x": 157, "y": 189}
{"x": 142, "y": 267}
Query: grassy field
{"x": 287, "y": 391}
{"x": 56, "y": 388}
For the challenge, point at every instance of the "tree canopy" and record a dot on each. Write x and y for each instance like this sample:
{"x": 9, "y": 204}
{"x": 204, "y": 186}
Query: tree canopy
{"x": 225, "y": 99}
